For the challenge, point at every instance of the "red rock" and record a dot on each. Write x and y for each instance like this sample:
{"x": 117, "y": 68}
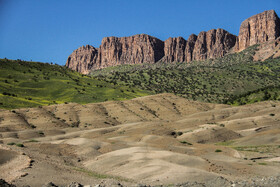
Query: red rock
{"x": 212, "y": 44}
{"x": 258, "y": 29}
{"x": 174, "y": 49}
{"x": 135, "y": 49}
{"x": 82, "y": 59}
{"x": 189, "y": 47}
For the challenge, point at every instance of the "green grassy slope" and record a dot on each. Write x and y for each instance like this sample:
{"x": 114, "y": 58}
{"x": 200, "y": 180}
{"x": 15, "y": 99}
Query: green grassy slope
{"x": 220, "y": 80}
{"x": 30, "y": 84}
{"x": 262, "y": 94}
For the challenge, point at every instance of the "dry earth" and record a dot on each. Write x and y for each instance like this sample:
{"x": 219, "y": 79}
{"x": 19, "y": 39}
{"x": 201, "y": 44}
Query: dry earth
{"x": 153, "y": 140}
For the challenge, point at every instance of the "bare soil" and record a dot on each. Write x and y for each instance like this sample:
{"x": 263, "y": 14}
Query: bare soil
{"x": 154, "y": 140}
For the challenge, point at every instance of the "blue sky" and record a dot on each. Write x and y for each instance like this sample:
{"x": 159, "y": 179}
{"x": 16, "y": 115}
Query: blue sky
{"x": 49, "y": 30}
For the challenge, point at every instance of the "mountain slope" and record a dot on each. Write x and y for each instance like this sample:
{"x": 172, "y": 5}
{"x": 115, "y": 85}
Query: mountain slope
{"x": 219, "y": 80}
{"x": 29, "y": 84}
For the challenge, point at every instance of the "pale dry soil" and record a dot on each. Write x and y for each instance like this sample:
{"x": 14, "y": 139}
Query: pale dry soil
{"x": 153, "y": 140}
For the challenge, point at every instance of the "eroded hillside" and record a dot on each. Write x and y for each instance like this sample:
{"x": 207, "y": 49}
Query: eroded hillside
{"x": 159, "y": 139}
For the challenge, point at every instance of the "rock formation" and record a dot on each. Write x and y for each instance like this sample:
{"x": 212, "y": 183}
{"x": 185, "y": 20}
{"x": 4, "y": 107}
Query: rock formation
{"x": 135, "y": 49}
{"x": 258, "y": 29}
{"x": 143, "y": 48}
{"x": 174, "y": 49}
{"x": 189, "y": 47}
{"x": 213, "y": 44}
{"x": 82, "y": 59}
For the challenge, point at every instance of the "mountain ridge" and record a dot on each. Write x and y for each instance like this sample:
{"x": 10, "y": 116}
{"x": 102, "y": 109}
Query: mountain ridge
{"x": 143, "y": 48}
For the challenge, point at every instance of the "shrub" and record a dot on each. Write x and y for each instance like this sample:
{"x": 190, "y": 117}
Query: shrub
{"x": 218, "y": 150}
{"x": 179, "y": 133}
{"x": 185, "y": 142}
{"x": 19, "y": 145}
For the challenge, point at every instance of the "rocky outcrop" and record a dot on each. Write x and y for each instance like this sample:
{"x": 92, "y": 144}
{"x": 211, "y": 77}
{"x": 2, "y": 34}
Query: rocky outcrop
{"x": 114, "y": 51}
{"x": 83, "y": 59}
{"x": 189, "y": 47}
{"x": 258, "y": 29}
{"x": 143, "y": 48}
{"x": 135, "y": 49}
{"x": 213, "y": 44}
{"x": 174, "y": 49}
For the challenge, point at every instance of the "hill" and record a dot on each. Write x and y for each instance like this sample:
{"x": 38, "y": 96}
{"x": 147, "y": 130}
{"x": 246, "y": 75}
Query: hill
{"x": 30, "y": 84}
{"x": 157, "y": 140}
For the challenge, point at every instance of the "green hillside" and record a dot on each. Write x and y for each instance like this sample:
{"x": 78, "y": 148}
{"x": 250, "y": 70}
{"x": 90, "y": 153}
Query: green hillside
{"x": 30, "y": 84}
{"x": 221, "y": 80}
{"x": 262, "y": 94}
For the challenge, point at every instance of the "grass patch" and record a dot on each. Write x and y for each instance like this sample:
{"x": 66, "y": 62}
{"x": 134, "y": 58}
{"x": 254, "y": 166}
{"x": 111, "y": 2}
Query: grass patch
{"x": 31, "y": 84}
{"x": 262, "y": 163}
{"x": 11, "y": 143}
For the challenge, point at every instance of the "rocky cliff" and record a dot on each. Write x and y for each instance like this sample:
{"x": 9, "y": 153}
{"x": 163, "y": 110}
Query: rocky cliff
{"x": 213, "y": 44}
{"x": 143, "y": 48}
{"x": 83, "y": 59}
{"x": 258, "y": 29}
{"x": 135, "y": 49}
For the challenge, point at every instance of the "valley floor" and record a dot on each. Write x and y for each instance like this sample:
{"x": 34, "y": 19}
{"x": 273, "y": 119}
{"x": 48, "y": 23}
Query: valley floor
{"x": 154, "y": 140}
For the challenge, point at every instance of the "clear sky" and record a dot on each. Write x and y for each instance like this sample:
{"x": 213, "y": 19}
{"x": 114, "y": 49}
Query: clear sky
{"x": 49, "y": 30}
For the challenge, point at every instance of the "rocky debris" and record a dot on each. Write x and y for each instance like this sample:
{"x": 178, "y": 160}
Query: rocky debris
{"x": 75, "y": 184}
{"x": 3, "y": 183}
{"x": 258, "y": 29}
{"x": 218, "y": 181}
{"x": 143, "y": 48}
{"x": 270, "y": 49}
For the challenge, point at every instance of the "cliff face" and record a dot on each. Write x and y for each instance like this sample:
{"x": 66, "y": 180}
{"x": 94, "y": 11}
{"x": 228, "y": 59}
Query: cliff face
{"x": 258, "y": 29}
{"x": 174, "y": 49}
{"x": 213, "y": 44}
{"x": 143, "y": 48}
{"x": 189, "y": 47}
{"x": 83, "y": 59}
{"x": 136, "y": 49}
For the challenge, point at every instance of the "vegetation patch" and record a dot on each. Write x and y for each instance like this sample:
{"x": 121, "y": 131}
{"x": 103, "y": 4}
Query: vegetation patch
{"x": 234, "y": 79}
{"x": 31, "y": 84}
